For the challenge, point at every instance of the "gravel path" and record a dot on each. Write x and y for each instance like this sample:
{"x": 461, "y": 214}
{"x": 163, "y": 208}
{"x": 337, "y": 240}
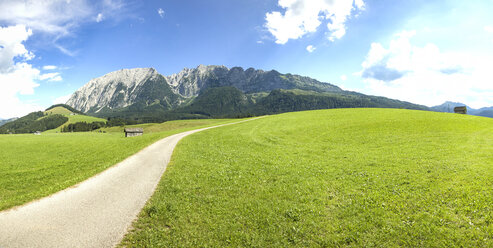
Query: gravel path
{"x": 96, "y": 212}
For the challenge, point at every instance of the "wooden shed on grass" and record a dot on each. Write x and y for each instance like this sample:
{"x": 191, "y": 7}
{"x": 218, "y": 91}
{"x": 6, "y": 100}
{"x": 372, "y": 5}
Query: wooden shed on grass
{"x": 132, "y": 132}
{"x": 461, "y": 110}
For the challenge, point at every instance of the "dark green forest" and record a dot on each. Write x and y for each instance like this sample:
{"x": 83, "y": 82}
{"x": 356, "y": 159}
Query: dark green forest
{"x": 33, "y": 122}
{"x": 230, "y": 102}
{"x": 83, "y": 127}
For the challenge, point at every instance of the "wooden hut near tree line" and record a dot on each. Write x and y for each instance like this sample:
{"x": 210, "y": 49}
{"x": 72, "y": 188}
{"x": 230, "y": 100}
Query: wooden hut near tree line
{"x": 132, "y": 132}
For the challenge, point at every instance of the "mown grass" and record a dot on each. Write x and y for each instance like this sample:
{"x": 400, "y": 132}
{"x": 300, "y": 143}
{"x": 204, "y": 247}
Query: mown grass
{"x": 58, "y": 110}
{"x": 74, "y": 119}
{"x": 331, "y": 178}
{"x": 33, "y": 166}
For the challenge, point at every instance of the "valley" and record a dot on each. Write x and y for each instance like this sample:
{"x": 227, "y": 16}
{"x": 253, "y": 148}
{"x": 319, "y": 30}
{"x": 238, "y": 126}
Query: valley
{"x": 324, "y": 167}
{"x": 279, "y": 123}
{"x": 312, "y": 178}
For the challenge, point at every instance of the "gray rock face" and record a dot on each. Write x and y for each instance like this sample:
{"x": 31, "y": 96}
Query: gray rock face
{"x": 189, "y": 82}
{"x": 113, "y": 90}
{"x": 125, "y": 87}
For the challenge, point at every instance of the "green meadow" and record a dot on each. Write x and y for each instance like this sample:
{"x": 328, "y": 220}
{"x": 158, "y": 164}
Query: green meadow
{"x": 33, "y": 166}
{"x": 329, "y": 178}
{"x": 72, "y": 118}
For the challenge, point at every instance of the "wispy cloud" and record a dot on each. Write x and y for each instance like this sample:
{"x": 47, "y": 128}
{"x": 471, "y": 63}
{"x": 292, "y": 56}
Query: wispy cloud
{"x": 49, "y": 67}
{"x": 57, "y": 17}
{"x": 52, "y": 77}
{"x": 61, "y": 99}
{"x": 65, "y": 50}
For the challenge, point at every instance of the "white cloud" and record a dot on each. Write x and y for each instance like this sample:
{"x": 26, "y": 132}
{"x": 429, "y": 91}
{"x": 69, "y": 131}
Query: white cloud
{"x": 311, "y": 48}
{"x": 52, "y": 77}
{"x": 343, "y": 77}
{"x": 160, "y": 12}
{"x": 11, "y": 39}
{"x": 49, "y": 67}
{"x": 305, "y": 16}
{"x": 426, "y": 75}
{"x": 99, "y": 18}
{"x": 16, "y": 76}
{"x": 62, "y": 99}
{"x": 56, "y": 17}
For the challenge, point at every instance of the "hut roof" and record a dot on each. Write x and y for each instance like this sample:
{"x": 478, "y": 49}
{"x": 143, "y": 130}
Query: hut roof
{"x": 460, "y": 108}
{"x": 134, "y": 130}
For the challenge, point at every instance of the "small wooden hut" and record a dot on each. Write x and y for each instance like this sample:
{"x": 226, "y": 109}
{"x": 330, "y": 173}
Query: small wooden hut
{"x": 132, "y": 132}
{"x": 460, "y": 110}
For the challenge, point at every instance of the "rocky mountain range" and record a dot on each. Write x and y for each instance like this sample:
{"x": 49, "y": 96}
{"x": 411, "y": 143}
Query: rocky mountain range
{"x": 146, "y": 86}
{"x": 143, "y": 95}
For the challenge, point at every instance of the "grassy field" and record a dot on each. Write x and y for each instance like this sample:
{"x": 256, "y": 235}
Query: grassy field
{"x": 74, "y": 119}
{"x": 166, "y": 126}
{"x": 35, "y": 166}
{"x": 331, "y": 178}
{"x": 58, "y": 110}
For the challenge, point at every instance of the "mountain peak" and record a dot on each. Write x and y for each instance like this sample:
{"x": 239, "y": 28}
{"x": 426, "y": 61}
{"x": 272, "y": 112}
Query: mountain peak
{"x": 99, "y": 92}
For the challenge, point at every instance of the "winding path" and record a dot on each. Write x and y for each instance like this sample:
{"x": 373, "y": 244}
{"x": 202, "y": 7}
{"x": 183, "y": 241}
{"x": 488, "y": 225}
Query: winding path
{"x": 96, "y": 212}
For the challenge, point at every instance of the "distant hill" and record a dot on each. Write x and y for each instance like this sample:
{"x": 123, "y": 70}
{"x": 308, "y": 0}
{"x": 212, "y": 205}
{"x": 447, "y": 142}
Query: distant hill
{"x": 33, "y": 122}
{"x": 73, "y": 116}
{"x": 485, "y": 112}
{"x": 5, "y": 121}
{"x": 448, "y": 107}
{"x": 51, "y": 120}
{"x": 62, "y": 109}
{"x": 144, "y": 95}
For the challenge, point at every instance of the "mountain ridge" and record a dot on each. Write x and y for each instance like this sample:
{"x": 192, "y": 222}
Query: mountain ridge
{"x": 144, "y": 95}
{"x": 122, "y": 88}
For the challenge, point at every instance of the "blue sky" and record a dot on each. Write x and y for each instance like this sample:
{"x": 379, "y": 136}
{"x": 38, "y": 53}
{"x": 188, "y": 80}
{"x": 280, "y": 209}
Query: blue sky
{"x": 425, "y": 52}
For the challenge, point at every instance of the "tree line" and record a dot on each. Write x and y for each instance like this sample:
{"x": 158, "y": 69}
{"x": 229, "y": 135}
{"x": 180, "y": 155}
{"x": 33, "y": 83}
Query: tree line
{"x": 83, "y": 126}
